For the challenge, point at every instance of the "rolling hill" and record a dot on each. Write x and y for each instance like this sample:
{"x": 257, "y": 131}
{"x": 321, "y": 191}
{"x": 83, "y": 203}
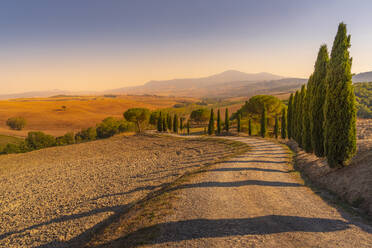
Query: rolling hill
{"x": 226, "y": 84}
{"x": 363, "y": 77}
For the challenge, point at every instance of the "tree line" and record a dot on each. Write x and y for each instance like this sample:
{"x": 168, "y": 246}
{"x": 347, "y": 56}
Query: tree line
{"x": 322, "y": 115}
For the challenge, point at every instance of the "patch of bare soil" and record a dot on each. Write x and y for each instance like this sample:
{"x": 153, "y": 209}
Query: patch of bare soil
{"x": 57, "y": 197}
{"x": 352, "y": 183}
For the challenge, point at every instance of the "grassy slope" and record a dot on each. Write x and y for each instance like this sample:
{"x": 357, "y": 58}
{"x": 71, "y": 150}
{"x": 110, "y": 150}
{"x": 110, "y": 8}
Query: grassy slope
{"x": 46, "y": 114}
{"x": 5, "y": 139}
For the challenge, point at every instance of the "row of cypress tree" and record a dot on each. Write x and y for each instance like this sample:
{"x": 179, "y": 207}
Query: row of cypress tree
{"x": 322, "y": 115}
{"x": 173, "y": 124}
{"x": 211, "y": 125}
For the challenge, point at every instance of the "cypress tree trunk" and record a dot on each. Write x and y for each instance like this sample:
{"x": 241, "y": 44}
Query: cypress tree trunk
{"x": 227, "y": 121}
{"x": 160, "y": 123}
{"x": 263, "y": 122}
{"x": 289, "y": 116}
{"x": 317, "y": 101}
{"x": 340, "y": 111}
{"x": 218, "y": 122}
{"x": 175, "y": 124}
{"x": 306, "y": 132}
{"x": 211, "y": 123}
{"x": 250, "y": 127}
{"x": 284, "y": 124}
{"x": 238, "y": 126}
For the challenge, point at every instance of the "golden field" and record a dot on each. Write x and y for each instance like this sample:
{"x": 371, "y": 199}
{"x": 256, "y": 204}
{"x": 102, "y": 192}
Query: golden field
{"x": 48, "y": 115}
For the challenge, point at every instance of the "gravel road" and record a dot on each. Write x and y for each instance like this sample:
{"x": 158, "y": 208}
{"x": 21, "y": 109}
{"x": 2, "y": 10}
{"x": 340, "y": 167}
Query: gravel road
{"x": 255, "y": 201}
{"x": 56, "y": 197}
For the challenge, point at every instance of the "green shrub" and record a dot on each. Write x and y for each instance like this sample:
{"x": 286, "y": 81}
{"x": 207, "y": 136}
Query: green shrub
{"x": 138, "y": 116}
{"x": 107, "y": 128}
{"x": 38, "y": 140}
{"x": 16, "y": 123}
{"x": 88, "y": 134}
{"x": 67, "y": 139}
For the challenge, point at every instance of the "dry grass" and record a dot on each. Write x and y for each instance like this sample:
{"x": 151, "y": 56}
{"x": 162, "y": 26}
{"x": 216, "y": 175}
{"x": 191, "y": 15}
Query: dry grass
{"x": 47, "y": 114}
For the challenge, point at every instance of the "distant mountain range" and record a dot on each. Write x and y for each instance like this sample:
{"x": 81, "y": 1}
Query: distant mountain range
{"x": 230, "y": 83}
{"x": 226, "y": 84}
{"x": 363, "y": 77}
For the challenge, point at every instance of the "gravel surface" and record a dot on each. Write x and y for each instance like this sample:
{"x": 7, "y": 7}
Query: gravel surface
{"x": 56, "y": 197}
{"x": 255, "y": 201}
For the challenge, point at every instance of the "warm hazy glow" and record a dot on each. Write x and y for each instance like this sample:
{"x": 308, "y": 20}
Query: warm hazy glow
{"x": 115, "y": 44}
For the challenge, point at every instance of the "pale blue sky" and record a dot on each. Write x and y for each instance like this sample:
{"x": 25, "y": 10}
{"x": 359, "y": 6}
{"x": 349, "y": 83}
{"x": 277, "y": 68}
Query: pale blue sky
{"x": 96, "y": 45}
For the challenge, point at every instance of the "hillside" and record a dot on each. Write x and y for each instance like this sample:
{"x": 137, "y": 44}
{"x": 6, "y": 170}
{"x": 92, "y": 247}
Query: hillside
{"x": 47, "y": 114}
{"x": 226, "y": 84}
{"x": 363, "y": 77}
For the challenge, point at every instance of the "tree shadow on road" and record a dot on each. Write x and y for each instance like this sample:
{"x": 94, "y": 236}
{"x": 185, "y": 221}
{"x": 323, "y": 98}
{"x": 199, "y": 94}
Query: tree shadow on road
{"x": 215, "y": 228}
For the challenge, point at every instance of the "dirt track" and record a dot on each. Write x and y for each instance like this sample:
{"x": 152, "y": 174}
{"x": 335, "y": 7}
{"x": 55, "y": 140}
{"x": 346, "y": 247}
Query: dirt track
{"x": 254, "y": 201}
{"x": 56, "y": 197}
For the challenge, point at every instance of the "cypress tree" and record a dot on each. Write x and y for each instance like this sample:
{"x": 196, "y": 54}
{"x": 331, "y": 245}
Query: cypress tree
{"x": 211, "y": 124}
{"x": 250, "y": 127}
{"x": 317, "y": 101}
{"x": 218, "y": 122}
{"x": 238, "y": 124}
{"x": 276, "y": 127}
{"x": 299, "y": 116}
{"x": 170, "y": 122}
{"x": 164, "y": 124}
{"x": 167, "y": 120}
{"x": 339, "y": 109}
{"x": 181, "y": 124}
{"x": 306, "y": 132}
{"x": 289, "y": 116}
{"x": 175, "y": 124}
{"x": 294, "y": 115}
{"x": 188, "y": 127}
{"x": 227, "y": 121}
{"x": 284, "y": 124}
{"x": 160, "y": 123}
{"x": 263, "y": 122}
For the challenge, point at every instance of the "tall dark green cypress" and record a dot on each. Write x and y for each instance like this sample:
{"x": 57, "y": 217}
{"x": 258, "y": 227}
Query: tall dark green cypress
{"x": 238, "y": 123}
{"x": 188, "y": 127}
{"x": 175, "y": 124}
{"x": 317, "y": 101}
{"x": 250, "y": 127}
{"x": 289, "y": 116}
{"x": 227, "y": 121}
{"x": 181, "y": 124}
{"x": 164, "y": 124}
{"x": 339, "y": 109}
{"x": 170, "y": 122}
{"x": 284, "y": 124}
{"x": 299, "y": 116}
{"x": 218, "y": 122}
{"x": 160, "y": 123}
{"x": 211, "y": 123}
{"x": 276, "y": 127}
{"x": 167, "y": 121}
{"x": 306, "y": 132}
{"x": 294, "y": 115}
{"x": 263, "y": 122}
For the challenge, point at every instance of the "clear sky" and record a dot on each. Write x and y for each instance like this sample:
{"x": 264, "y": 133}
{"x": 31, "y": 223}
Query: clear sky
{"x": 104, "y": 44}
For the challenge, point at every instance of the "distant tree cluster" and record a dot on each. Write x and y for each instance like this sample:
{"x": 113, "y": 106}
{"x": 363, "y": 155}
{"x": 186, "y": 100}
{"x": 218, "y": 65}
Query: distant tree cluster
{"x": 322, "y": 115}
{"x": 16, "y": 123}
{"x": 363, "y": 94}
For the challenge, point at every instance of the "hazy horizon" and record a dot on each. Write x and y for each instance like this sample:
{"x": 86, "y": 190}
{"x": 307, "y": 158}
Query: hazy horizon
{"x": 94, "y": 45}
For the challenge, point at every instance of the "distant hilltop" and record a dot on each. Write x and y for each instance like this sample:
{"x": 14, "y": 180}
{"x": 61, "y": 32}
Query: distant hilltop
{"x": 231, "y": 83}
